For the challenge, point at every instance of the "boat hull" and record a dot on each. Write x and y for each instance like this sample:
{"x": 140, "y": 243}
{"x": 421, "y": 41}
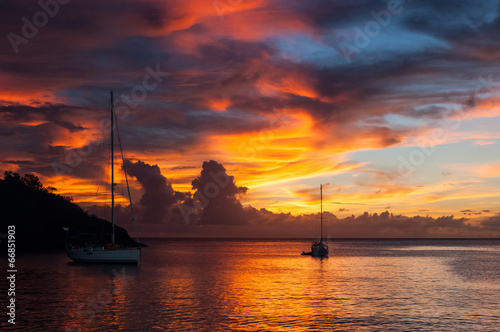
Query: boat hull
{"x": 317, "y": 250}
{"x": 120, "y": 256}
{"x": 320, "y": 252}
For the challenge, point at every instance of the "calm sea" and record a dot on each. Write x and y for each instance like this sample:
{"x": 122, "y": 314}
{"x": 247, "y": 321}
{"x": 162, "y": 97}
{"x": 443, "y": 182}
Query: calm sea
{"x": 265, "y": 285}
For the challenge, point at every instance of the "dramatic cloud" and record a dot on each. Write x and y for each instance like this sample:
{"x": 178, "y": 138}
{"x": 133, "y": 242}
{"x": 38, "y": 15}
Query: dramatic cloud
{"x": 394, "y": 102}
{"x": 219, "y": 196}
{"x": 158, "y": 193}
{"x": 215, "y": 210}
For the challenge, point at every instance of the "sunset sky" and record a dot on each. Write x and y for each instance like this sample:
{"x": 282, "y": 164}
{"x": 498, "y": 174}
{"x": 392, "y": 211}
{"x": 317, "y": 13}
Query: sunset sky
{"x": 393, "y": 105}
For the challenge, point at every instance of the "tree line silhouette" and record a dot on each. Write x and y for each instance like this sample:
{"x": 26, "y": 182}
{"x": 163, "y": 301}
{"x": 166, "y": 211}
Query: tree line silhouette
{"x": 39, "y": 216}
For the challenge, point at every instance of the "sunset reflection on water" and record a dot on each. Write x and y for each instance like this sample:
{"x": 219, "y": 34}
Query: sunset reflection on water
{"x": 220, "y": 285}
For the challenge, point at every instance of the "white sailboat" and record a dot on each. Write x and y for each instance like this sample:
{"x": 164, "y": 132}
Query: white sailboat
{"x": 319, "y": 249}
{"x": 111, "y": 252}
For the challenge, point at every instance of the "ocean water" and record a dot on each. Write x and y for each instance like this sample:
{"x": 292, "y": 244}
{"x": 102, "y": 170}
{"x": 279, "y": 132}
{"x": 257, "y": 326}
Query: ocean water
{"x": 265, "y": 285}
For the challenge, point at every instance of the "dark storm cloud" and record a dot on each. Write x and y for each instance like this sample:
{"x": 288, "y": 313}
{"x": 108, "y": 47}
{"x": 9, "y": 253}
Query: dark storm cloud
{"x": 158, "y": 193}
{"x": 219, "y": 196}
{"x": 55, "y": 150}
{"x": 386, "y": 224}
{"x": 50, "y": 161}
{"x": 491, "y": 224}
{"x": 30, "y": 139}
{"x": 37, "y": 127}
{"x": 223, "y": 215}
{"x": 471, "y": 26}
{"x": 455, "y": 20}
{"x": 263, "y": 223}
{"x": 47, "y": 112}
{"x": 326, "y": 14}
{"x": 19, "y": 162}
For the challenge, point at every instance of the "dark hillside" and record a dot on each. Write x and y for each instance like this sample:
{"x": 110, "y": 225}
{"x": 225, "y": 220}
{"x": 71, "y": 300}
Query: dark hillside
{"x": 39, "y": 216}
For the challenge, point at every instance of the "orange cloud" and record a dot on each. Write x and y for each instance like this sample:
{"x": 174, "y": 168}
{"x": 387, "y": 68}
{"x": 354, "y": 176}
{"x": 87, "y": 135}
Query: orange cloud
{"x": 488, "y": 171}
{"x": 219, "y": 104}
{"x": 290, "y": 85}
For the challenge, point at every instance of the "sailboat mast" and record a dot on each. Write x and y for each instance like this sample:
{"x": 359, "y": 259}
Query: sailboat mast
{"x": 112, "y": 172}
{"x": 321, "y": 210}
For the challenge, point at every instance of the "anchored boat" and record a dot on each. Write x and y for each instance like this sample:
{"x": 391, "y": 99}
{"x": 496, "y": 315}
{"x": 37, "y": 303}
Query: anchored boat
{"x": 319, "y": 249}
{"x": 111, "y": 252}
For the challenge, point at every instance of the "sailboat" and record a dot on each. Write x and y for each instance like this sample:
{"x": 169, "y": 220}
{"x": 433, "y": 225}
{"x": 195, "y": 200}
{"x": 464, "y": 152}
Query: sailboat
{"x": 111, "y": 252}
{"x": 319, "y": 249}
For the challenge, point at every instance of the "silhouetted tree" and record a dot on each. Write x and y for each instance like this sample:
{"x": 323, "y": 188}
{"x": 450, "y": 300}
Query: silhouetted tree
{"x": 39, "y": 215}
